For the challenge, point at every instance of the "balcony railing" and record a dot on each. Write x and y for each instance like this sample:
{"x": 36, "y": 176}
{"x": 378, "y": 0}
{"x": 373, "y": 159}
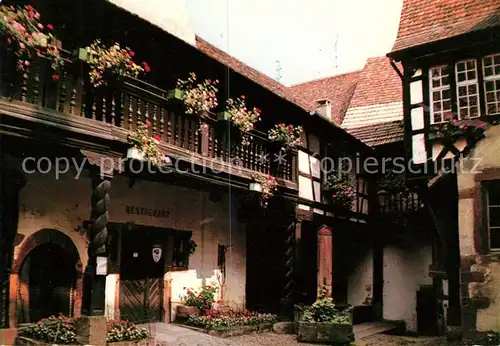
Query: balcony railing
{"x": 127, "y": 102}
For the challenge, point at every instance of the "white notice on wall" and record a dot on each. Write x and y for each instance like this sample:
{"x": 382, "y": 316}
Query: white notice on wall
{"x": 102, "y": 266}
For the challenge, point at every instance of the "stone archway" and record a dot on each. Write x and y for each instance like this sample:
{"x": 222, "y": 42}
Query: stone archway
{"x": 46, "y": 277}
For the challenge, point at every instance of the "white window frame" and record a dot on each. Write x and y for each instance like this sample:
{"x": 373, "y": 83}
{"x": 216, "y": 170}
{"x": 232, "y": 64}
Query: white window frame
{"x": 492, "y": 78}
{"x": 467, "y": 83}
{"x": 440, "y": 89}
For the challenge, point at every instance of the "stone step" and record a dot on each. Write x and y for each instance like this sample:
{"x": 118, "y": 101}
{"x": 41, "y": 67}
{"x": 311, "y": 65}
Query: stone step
{"x": 367, "y": 329}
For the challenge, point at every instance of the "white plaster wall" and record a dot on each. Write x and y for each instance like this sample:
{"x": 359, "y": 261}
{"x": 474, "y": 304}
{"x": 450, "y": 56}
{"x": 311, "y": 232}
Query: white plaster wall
{"x": 404, "y": 271}
{"x": 360, "y": 282}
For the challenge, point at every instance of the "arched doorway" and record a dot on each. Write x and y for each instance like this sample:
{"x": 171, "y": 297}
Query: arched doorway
{"x": 51, "y": 281}
{"x": 46, "y": 277}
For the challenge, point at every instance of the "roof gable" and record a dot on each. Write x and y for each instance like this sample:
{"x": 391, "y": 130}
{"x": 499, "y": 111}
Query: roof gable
{"x": 425, "y": 21}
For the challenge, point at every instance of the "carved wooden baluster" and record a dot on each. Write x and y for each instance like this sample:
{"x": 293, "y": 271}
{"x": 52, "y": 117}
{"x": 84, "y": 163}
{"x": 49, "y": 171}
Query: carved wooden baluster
{"x": 72, "y": 102}
{"x": 104, "y": 108}
{"x": 36, "y": 84}
{"x": 113, "y": 109}
{"x": 62, "y": 92}
{"x": 169, "y": 128}
{"x": 130, "y": 112}
{"x": 162, "y": 123}
{"x": 83, "y": 110}
{"x": 138, "y": 113}
{"x": 122, "y": 110}
{"x": 216, "y": 148}
{"x": 146, "y": 111}
{"x": 249, "y": 156}
{"x": 211, "y": 152}
{"x": 155, "y": 119}
{"x": 24, "y": 84}
{"x": 94, "y": 106}
{"x": 259, "y": 161}
{"x": 197, "y": 134}
{"x": 177, "y": 130}
{"x": 187, "y": 133}
{"x": 289, "y": 262}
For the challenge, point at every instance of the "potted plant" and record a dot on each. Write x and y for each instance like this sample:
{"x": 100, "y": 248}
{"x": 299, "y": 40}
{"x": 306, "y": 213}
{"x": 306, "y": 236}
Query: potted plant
{"x": 197, "y": 302}
{"x": 198, "y": 98}
{"x": 54, "y": 330}
{"x": 145, "y": 147}
{"x": 338, "y": 191}
{"x": 240, "y": 116}
{"x": 265, "y": 185}
{"x": 26, "y": 36}
{"x": 110, "y": 63}
{"x": 323, "y": 322}
{"x": 287, "y": 135}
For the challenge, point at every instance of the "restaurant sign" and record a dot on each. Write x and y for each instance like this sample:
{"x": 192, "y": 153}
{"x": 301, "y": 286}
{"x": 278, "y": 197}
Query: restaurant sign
{"x": 133, "y": 210}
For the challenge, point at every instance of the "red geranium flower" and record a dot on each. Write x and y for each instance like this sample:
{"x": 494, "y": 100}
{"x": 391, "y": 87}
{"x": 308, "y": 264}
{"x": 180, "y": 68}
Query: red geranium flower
{"x": 55, "y": 77}
{"x": 157, "y": 137}
{"x": 50, "y": 27}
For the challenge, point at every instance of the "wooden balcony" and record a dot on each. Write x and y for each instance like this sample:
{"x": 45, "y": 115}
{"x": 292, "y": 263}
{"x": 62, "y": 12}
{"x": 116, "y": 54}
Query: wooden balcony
{"x": 71, "y": 103}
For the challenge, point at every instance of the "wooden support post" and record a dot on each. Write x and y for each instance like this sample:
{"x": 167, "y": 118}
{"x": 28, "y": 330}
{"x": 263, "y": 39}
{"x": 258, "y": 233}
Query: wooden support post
{"x": 325, "y": 260}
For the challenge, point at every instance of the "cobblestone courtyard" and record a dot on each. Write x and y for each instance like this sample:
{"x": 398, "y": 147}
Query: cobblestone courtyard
{"x": 172, "y": 335}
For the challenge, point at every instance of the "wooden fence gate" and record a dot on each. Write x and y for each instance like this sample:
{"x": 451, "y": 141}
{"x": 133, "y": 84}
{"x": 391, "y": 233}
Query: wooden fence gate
{"x": 141, "y": 300}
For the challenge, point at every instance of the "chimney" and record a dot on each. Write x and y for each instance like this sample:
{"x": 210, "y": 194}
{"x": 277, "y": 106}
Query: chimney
{"x": 324, "y": 107}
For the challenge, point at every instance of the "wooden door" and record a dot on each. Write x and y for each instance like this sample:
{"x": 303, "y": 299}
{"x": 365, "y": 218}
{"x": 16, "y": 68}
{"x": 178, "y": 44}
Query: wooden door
{"x": 141, "y": 277}
{"x": 141, "y": 300}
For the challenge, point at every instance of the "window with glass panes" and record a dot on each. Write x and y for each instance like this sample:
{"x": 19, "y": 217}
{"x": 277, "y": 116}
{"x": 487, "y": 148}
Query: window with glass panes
{"x": 440, "y": 93}
{"x": 493, "y": 213}
{"x": 467, "y": 89}
{"x": 491, "y": 71}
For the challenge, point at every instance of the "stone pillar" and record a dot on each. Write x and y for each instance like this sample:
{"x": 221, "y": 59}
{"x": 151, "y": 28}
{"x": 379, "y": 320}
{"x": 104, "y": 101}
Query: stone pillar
{"x": 325, "y": 261}
{"x": 91, "y": 327}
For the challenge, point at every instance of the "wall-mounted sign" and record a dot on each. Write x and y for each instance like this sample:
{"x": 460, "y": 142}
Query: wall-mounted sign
{"x": 157, "y": 251}
{"x": 133, "y": 210}
{"x": 102, "y": 266}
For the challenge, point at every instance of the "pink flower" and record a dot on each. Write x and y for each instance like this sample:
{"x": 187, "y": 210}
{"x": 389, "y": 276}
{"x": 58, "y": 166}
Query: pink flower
{"x": 243, "y": 97}
{"x": 21, "y": 45}
{"x": 131, "y": 53}
{"x": 50, "y": 27}
{"x": 146, "y": 67}
{"x": 40, "y": 26}
{"x": 55, "y": 77}
{"x": 9, "y": 41}
{"x": 148, "y": 123}
{"x": 157, "y": 137}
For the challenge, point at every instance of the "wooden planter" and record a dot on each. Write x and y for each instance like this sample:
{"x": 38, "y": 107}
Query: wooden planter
{"x": 128, "y": 343}
{"x": 27, "y": 341}
{"x": 325, "y": 333}
{"x": 186, "y": 311}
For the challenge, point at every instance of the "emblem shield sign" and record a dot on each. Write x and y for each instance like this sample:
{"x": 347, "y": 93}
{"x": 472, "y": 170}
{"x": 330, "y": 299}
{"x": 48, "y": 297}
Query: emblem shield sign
{"x": 157, "y": 251}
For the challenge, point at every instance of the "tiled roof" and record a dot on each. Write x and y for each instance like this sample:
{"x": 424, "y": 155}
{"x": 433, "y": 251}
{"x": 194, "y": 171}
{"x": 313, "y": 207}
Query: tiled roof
{"x": 378, "y": 96}
{"x": 252, "y": 74}
{"x": 373, "y": 114}
{"x": 379, "y": 83}
{"x": 337, "y": 89}
{"x": 378, "y": 134}
{"x": 425, "y": 21}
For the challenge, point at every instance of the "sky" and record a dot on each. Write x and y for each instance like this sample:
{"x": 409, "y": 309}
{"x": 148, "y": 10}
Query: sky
{"x": 300, "y": 34}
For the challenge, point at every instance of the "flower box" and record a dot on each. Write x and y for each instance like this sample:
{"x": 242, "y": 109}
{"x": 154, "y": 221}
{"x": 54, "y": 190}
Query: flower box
{"x": 26, "y": 341}
{"x": 175, "y": 94}
{"x": 129, "y": 343}
{"x": 224, "y": 116}
{"x": 325, "y": 333}
{"x": 255, "y": 187}
{"x": 184, "y": 311}
{"x": 136, "y": 154}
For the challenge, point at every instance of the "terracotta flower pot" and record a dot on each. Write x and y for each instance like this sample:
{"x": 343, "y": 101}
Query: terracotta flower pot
{"x": 186, "y": 311}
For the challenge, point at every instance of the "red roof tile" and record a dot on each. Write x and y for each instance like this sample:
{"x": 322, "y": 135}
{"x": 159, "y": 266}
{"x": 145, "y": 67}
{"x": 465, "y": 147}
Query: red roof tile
{"x": 379, "y": 83}
{"x": 337, "y": 89}
{"x": 250, "y": 73}
{"x": 378, "y": 134}
{"x": 425, "y": 21}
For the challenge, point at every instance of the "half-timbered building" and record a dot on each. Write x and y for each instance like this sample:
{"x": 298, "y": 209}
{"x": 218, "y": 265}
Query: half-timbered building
{"x": 449, "y": 59}
{"x": 84, "y": 231}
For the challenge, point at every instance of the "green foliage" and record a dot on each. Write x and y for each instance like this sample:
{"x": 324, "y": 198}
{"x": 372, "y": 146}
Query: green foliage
{"x": 324, "y": 311}
{"x": 217, "y": 320}
{"x": 125, "y": 331}
{"x": 339, "y": 190}
{"x": 54, "y": 329}
{"x": 202, "y": 300}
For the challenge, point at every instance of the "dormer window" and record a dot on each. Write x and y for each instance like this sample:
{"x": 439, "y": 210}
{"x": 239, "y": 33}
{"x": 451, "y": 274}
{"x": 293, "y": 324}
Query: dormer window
{"x": 324, "y": 107}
